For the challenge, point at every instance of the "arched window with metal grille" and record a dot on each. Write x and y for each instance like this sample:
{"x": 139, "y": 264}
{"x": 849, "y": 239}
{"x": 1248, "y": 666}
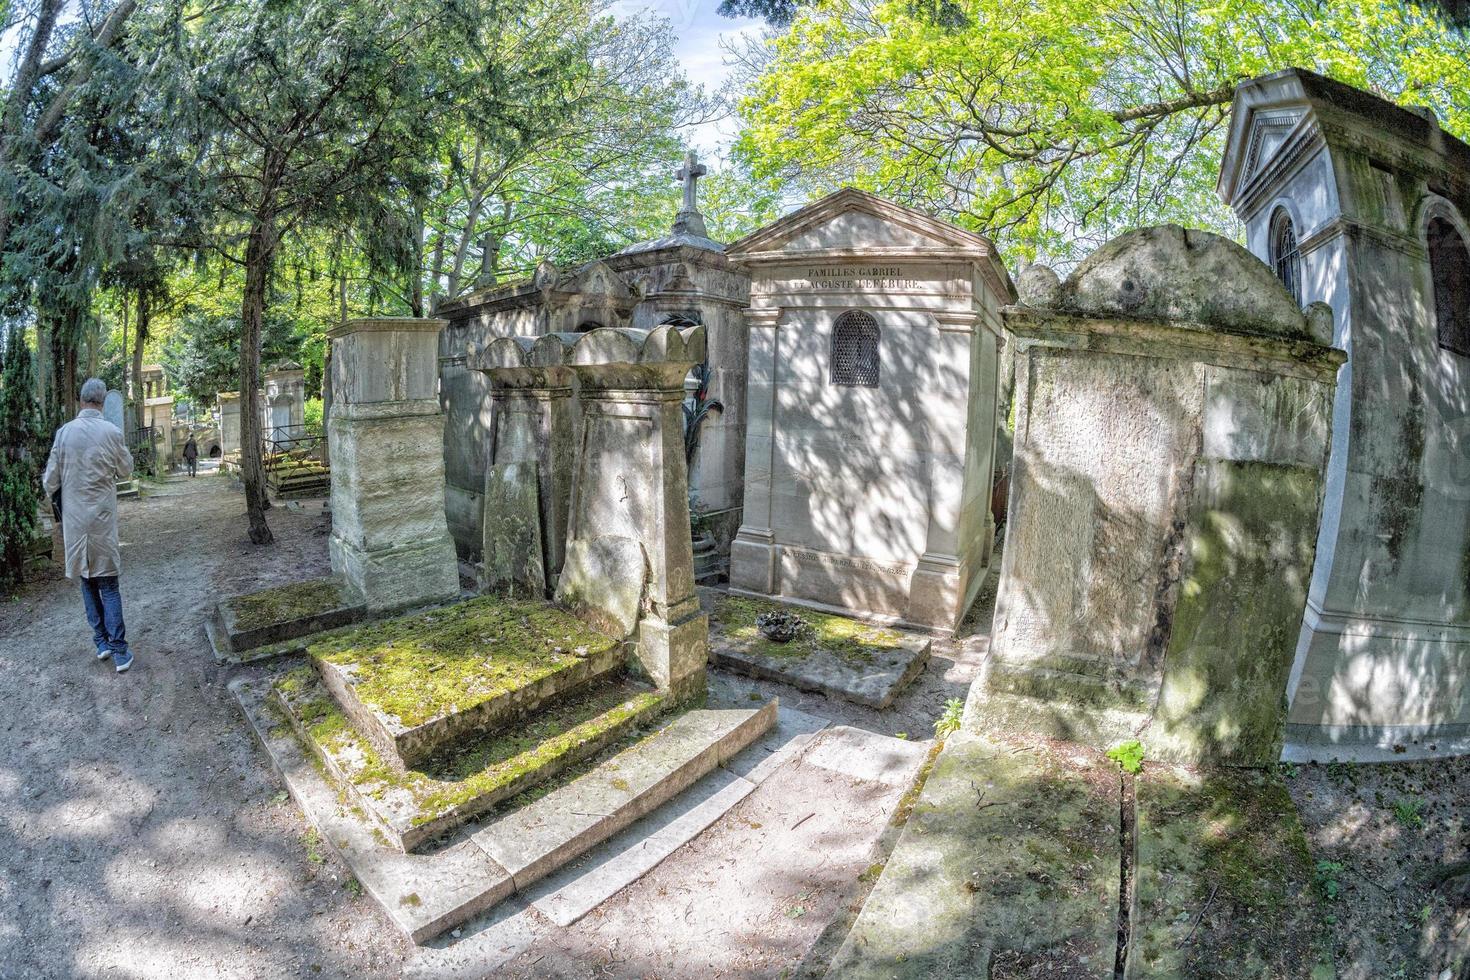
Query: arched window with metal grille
{"x": 1449, "y": 268}
{"x": 1286, "y": 258}
{"x": 855, "y": 356}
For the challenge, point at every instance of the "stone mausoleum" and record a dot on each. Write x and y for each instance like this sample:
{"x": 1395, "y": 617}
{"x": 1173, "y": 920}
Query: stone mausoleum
{"x": 1366, "y": 205}
{"x": 683, "y": 279}
{"x": 871, "y": 410}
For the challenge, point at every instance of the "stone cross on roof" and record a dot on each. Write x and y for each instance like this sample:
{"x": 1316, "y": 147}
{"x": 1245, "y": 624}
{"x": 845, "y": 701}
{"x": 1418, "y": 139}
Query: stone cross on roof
{"x": 689, "y": 221}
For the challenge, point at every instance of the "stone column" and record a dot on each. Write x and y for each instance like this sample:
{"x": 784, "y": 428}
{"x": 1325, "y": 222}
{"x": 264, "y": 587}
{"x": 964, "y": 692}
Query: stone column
{"x": 528, "y": 482}
{"x": 1172, "y": 422}
{"x": 326, "y": 405}
{"x": 629, "y": 561}
{"x": 753, "y": 552}
{"x": 390, "y": 540}
{"x": 229, "y": 422}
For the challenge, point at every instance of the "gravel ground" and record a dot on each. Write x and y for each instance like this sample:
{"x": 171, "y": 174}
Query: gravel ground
{"x": 1378, "y": 833}
{"x": 142, "y": 832}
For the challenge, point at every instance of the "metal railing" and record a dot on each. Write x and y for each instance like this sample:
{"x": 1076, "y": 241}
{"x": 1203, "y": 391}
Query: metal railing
{"x": 290, "y": 448}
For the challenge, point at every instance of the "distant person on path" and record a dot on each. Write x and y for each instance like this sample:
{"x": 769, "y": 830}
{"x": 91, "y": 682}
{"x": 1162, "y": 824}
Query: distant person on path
{"x": 88, "y": 457}
{"x": 191, "y": 456}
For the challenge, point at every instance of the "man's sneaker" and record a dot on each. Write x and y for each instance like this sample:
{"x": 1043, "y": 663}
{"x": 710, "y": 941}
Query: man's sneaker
{"x": 104, "y": 653}
{"x": 123, "y": 662}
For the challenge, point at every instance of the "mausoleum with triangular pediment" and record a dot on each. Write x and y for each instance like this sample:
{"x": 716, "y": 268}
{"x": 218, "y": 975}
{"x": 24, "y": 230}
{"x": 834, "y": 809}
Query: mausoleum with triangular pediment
{"x": 870, "y": 411}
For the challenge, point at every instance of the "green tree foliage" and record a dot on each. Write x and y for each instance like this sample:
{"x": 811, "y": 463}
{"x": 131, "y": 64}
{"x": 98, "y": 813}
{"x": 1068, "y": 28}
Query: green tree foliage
{"x": 1052, "y": 124}
{"x": 310, "y": 114}
{"x": 19, "y": 434}
{"x": 576, "y": 161}
{"x": 202, "y": 357}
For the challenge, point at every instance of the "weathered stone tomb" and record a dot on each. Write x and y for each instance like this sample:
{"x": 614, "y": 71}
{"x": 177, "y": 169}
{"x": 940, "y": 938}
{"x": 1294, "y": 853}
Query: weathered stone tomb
{"x": 228, "y": 405}
{"x": 283, "y": 405}
{"x": 390, "y": 542}
{"x": 870, "y": 412}
{"x": 1366, "y": 205}
{"x": 1173, "y": 413}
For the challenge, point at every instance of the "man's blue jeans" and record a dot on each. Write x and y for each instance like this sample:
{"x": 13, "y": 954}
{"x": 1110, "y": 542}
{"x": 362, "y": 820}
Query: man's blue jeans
{"x": 104, "y": 611}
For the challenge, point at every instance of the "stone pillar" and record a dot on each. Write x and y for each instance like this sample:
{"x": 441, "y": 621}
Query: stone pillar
{"x": 629, "y": 559}
{"x": 1173, "y": 414}
{"x": 528, "y": 482}
{"x": 753, "y": 552}
{"x": 390, "y": 540}
{"x": 229, "y": 422}
{"x": 326, "y": 405}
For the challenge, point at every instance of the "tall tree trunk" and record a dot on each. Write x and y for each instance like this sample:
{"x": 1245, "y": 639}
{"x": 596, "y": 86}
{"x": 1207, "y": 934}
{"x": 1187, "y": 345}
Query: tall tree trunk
{"x": 63, "y": 372}
{"x": 436, "y": 265}
{"x": 260, "y": 254}
{"x": 43, "y": 375}
{"x": 466, "y": 239}
{"x": 139, "y": 395}
{"x": 94, "y": 337}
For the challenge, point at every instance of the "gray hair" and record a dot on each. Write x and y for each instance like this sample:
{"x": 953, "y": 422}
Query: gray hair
{"x": 94, "y": 391}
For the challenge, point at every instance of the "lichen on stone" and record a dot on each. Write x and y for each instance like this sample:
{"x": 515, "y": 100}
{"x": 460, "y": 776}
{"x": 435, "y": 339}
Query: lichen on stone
{"x": 428, "y": 664}
{"x": 284, "y": 604}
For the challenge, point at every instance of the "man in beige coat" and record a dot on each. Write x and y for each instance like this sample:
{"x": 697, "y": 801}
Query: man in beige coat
{"x": 87, "y": 459}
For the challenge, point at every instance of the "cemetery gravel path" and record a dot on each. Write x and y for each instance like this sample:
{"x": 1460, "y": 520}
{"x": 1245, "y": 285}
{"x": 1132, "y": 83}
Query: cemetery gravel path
{"x": 142, "y": 831}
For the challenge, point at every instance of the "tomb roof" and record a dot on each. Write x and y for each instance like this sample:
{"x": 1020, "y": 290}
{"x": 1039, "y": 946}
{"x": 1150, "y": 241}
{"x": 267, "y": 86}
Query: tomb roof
{"x": 1174, "y": 274}
{"x": 1286, "y": 108}
{"x": 825, "y": 230}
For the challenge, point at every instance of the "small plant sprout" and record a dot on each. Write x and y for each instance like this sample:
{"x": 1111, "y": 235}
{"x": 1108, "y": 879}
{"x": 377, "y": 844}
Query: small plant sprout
{"x": 1128, "y": 755}
{"x": 949, "y": 721}
{"x": 1409, "y": 811}
{"x": 313, "y": 842}
{"x": 1326, "y": 879}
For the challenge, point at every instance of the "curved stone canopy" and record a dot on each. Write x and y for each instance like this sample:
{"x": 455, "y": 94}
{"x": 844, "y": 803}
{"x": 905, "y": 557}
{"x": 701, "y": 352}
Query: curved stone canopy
{"x": 1182, "y": 275}
{"x": 675, "y": 240}
{"x": 606, "y": 345}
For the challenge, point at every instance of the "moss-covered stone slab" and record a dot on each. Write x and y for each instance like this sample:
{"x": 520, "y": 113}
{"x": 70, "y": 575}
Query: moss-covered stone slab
{"x": 1008, "y": 866}
{"x": 539, "y": 838}
{"x": 418, "y": 684}
{"x": 835, "y": 655}
{"x": 424, "y": 895}
{"x": 256, "y": 620}
{"x": 1225, "y": 883}
{"x": 414, "y": 807}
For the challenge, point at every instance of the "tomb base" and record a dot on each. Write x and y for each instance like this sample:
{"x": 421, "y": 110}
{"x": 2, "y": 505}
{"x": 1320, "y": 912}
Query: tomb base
{"x": 606, "y": 775}
{"x": 265, "y": 623}
{"x": 417, "y": 574}
{"x": 673, "y": 651}
{"x": 834, "y": 655}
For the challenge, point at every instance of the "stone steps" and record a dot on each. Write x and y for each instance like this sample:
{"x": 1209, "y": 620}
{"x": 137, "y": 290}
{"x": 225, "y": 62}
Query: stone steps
{"x": 539, "y": 838}
{"x": 248, "y": 622}
{"x": 428, "y": 894}
{"x": 417, "y": 807}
